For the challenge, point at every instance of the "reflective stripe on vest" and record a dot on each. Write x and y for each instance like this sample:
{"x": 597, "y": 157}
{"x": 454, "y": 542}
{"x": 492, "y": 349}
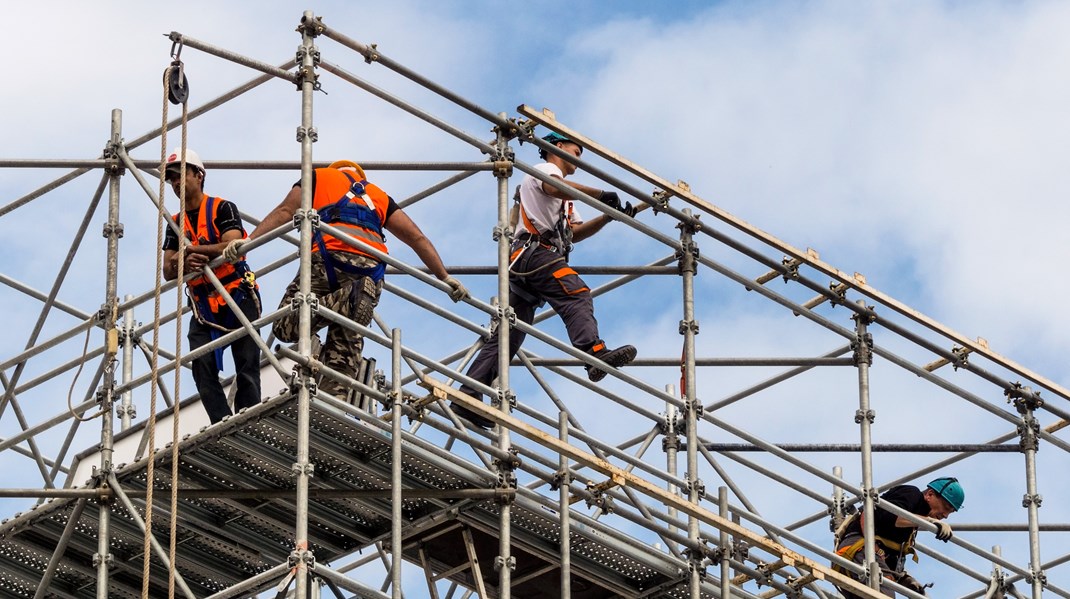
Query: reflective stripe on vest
{"x": 206, "y": 234}
{"x": 356, "y": 207}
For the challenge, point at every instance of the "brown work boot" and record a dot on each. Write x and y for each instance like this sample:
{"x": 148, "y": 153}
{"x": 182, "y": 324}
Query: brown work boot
{"x": 616, "y": 358}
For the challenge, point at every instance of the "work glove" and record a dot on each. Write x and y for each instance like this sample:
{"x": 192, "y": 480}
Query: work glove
{"x": 911, "y": 583}
{"x": 943, "y": 529}
{"x": 611, "y": 199}
{"x": 457, "y": 290}
{"x": 233, "y": 250}
{"x": 629, "y": 209}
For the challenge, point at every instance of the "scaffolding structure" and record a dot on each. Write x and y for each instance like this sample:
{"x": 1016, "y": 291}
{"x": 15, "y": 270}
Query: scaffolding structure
{"x": 306, "y": 492}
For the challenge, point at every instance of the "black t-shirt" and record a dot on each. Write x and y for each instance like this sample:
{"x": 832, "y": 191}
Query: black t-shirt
{"x": 907, "y": 497}
{"x": 391, "y": 205}
{"x": 226, "y": 219}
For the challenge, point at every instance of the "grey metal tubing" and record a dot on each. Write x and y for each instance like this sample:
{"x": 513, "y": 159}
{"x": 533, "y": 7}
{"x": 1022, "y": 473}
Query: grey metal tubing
{"x": 27, "y": 453}
{"x": 416, "y": 197}
{"x": 161, "y": 554}
{"x": 470, "y": 168}
{"x": 1010, "y": 527}
{"x": 876, "y": 447}
{"x": 61, "y": 548}
{"x": 211, "y": 346}
{"x": 631, "y": 275}
{"x": 307, "y": 54}
{"x": 395, "y": 463}
{"x": 725, "y": 547}
{"x": 53, "y": 373}
{"x": 1017, "y": 577}
{"x": 583, "y": 270}
{"x": 347, "y": 583}
{"x": 954, "y": 564}
{"x": 505, "y": 470}
{"x": 433, "y": 308}
{"x": 49, "y": 344}
{"x": 416, "y": 112}
{"x": 61, "y": 275}
{"x": 234, "y": 57}
{"x": 147, "y": 352}
{"x": 30, "y": 291}
{"x": 564, "y": 485}
{"x": 37, "y": 456}
{"x": 372, "y": 54}
{"x": 834, "y": 273}
{"x": 33, "y": 195}
{"x": 126, "y": 415}
{"x": 902, "y": 480}
{"x": 370, "y": 334}
{"x": 770, "y": 382}
{"x": 787, "y": 534}
{"x": 252, "y": 585}
{"x": 1031, "y": 501}
{"x": 864, "y": 418}
{"x": 217, "y": 101}
{"x": 43, "y": 426}
{"x": 75, "y": 422}
{"x": 735, "y": 362}
{"x": 927, "y": 526}
{"x": 247, "y": 326}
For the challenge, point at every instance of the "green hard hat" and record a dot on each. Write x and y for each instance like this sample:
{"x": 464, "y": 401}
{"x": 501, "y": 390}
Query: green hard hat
{"x": 950, "y": 489}
{"x": 554, "y": 138}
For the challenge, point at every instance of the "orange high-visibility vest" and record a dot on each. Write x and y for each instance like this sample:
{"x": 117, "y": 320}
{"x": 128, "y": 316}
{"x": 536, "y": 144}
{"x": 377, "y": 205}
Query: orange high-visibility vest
{"x": 356, "y": 207}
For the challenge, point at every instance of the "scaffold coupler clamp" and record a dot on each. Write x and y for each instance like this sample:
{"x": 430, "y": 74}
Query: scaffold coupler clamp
{"x": 698, "y": 487}
{"x": 599, "y": 499}
{"x": 500, "y": 562}
{"x": 659, "y": 200}
{"x": 862, "y": 346}
{"x": 791, "y": 268}
{"x": 687, "y": 255}
{"x": 1023, "y": 398}
{"x": 504, "y": 397}
{"x": 696, "y": 560}
{"x": 1039, "y": 576}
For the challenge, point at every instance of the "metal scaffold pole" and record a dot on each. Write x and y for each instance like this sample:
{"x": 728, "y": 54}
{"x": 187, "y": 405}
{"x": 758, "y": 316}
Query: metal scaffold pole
{"x": 308, "y": 54}
{"x": 126, "y": 410}
{"x": 696, "y": 489}
{"x": 113, "y": 231}
{"x": 864, "y": 417}
{"x": 505, "y": 562}
{"x": 1026, "y": 402}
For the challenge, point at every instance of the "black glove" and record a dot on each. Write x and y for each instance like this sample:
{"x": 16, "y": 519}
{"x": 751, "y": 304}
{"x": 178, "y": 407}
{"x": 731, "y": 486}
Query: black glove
{"x": 911, "y": 583}
{"x": 629, "y": 209}
{"x": 611, "y": 199}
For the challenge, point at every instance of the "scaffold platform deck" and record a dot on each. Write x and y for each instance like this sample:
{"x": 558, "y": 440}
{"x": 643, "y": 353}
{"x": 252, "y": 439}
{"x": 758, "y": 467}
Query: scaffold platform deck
{"x": 226, "y": 539}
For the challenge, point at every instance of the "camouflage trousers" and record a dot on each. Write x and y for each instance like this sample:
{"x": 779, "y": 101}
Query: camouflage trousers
{"x": 355, "y": 299}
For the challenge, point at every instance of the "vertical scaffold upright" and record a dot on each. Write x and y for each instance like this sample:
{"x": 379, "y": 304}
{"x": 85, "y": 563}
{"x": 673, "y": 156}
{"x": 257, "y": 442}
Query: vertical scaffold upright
{"x": 306, "y": 490}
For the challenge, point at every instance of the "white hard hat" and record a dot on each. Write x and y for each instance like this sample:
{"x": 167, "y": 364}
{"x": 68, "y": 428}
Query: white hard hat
{"x": 173, "y": 160}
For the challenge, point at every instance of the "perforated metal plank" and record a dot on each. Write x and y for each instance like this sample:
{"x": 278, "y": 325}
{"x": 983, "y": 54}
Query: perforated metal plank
{"x": 225, "y": 541}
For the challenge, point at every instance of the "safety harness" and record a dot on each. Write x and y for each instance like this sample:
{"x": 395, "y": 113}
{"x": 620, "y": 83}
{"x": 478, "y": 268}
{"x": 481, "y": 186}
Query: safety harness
{"x": 365, "y": 224}
{"x": 238, "y": 279}
{"x": 848, "y": 552}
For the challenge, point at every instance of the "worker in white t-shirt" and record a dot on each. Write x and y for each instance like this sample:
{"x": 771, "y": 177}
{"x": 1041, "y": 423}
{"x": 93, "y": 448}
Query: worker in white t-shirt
{"x": 548, "y": 225}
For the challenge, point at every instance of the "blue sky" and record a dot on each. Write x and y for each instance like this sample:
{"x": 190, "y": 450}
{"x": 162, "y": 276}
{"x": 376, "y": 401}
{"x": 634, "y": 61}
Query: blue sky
{"x": 921, "y": 144}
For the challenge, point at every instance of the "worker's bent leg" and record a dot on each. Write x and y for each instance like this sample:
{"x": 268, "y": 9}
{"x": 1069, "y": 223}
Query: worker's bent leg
{"x": 485, "y": 367}
{"x": 356, "y": 300}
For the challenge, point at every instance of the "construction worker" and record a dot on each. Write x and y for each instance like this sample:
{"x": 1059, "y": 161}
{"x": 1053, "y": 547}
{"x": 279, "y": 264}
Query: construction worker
{"x": 210, "y": 223}
{"x": 346, "y": 278}
{"x": 539, "y": 271}
{"x": 895, "y": 535}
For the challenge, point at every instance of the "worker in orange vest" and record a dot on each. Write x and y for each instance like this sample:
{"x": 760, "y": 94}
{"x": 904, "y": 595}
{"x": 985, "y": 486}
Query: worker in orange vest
{"x": 346, "y": 278}
{"x": 210, "y": 223}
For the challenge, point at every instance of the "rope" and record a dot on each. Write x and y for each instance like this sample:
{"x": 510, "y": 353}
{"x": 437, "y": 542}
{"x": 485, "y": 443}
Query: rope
{"x": 171, "y": 551}
{"x": 154, "y": 365}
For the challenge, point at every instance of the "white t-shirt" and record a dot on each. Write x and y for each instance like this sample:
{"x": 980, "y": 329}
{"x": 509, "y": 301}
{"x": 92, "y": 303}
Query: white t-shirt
{"x": 541, "y": 208}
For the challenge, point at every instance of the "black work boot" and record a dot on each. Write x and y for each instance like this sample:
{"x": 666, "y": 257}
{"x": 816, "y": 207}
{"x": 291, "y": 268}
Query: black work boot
{"x": 469, "y": 415}
{"x": 614, "y": 357}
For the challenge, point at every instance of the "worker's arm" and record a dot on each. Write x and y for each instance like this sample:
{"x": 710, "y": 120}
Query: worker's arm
{"x": 402, "y": 227}
{"x": 194, "y": 261}
{"x": 214, "y": 250}
{"x": 557, "y": 193}
{"x": 282, "y": 213}
{"x": 590, "y": 227}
